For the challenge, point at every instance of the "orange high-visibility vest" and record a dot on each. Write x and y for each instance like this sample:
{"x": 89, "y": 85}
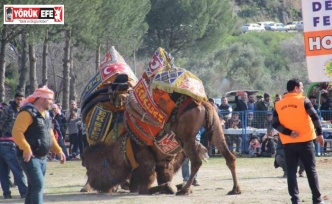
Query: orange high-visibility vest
{"x": 292, "y": 115}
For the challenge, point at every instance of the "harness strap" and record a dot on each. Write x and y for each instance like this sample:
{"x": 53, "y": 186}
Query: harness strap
{"x": 130, "y": 155}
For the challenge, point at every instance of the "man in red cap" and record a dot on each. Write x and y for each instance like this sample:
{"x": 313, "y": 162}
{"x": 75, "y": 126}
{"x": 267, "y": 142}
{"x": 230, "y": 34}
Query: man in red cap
{"x": 32, "y": 133}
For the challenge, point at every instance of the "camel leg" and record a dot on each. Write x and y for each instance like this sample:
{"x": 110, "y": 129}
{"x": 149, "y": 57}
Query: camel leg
{"x": 190, "y": 149}
{"x": 218, "y": 139}
{"x": 144, "y": 175}
{"x": 86, "y": 187}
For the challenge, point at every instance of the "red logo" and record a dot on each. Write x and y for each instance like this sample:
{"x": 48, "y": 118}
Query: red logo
{"x": 58, "y": 16}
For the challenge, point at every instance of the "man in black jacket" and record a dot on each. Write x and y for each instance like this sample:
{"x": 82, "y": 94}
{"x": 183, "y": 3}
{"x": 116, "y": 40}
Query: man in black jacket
{"x": 326, "y": 106}
{"x": 8, "y": 150}
{"x": 61, "y": 123}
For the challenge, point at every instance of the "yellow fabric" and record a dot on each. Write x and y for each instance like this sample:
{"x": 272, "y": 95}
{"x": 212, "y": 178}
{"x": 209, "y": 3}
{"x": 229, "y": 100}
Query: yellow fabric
{"x": 22, "y": 122}
{"x": 292, "y": 115}
{"x": 130, "y": 155}
{"x": 176, "y": 86}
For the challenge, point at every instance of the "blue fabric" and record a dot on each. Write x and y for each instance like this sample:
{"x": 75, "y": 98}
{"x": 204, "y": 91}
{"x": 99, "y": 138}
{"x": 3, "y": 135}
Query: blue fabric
{"x": 186, "y": 170}
{"x": 35, "y": 171}
{"x": 8, "y": 162}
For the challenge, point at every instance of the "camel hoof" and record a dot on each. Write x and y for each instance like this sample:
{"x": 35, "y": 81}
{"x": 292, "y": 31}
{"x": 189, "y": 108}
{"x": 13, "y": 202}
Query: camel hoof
{"x": 125, "y": 185}
{"x": 83, "y": 190}
{"x": 180, "y": 186}
{"x": 184, "y": 192}
{"x": 171, "y": 188}
{"x": 235, "y": 191}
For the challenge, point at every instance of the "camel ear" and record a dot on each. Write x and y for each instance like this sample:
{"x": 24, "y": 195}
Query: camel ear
{"x": 202, "y": 152}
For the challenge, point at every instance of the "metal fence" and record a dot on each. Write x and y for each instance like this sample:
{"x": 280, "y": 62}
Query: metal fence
{"x": 240, "y": 127}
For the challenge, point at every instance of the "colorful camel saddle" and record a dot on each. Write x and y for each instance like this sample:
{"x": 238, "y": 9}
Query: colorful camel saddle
{"x": 151, "y": 108}
{"x": 103, "y": 99}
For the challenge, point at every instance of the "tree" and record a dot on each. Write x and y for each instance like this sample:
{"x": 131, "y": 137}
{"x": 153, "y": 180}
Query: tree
{"x": 188, "y": 24}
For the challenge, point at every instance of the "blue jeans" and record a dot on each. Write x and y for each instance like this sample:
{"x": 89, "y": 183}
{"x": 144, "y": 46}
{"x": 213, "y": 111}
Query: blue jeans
{"x": 8, "y": 162}
{"x": 186, "y": 170}
{"x": 35, "y": 170}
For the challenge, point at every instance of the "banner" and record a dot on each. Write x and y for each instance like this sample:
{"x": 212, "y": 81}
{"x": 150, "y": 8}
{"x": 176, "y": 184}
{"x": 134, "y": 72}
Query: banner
{"x": 317, "y": 21}
{"x": 33, "y": 14}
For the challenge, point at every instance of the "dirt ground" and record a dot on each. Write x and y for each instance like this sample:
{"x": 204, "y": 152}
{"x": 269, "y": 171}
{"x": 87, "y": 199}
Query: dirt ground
{"x": 260, "y": 183}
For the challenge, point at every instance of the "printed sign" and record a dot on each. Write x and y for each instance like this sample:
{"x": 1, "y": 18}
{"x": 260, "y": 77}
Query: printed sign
{"x": 317, "y": 21}
{"x": 33, "y": 14}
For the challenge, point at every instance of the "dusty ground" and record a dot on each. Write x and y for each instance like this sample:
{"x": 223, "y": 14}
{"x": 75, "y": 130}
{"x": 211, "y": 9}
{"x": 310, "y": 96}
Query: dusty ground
{"x": 260, "y": 183}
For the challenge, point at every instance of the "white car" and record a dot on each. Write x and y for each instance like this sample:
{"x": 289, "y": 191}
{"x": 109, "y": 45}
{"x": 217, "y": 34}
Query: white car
{"x": 278, "y": 27}
{"x": 265, "y": 24}
{"x": 252, "y": 27}
{"x": 291, "y": 25}
{"x": 299, "y": 26}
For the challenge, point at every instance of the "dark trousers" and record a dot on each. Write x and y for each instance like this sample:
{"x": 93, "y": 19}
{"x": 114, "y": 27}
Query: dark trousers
{"x": 73, "y": 140}
{"x": 306, "y": 152}
{"x": 82, "y": 142}
{"x": 62, "y": 144}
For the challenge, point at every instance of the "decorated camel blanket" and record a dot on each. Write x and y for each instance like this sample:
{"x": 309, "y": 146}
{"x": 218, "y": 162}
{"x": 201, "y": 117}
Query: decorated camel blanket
{"x": 150, "y": 106}
{"x": 104, "y": 119}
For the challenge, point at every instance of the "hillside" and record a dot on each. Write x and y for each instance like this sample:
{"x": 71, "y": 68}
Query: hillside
{"x": 268, "y": 10}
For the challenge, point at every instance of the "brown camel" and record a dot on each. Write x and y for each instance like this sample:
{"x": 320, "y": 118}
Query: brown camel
{"x": 107, "y": 166}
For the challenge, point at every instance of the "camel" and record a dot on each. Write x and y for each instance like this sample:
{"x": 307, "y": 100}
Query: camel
{"x": 136, "y": 153}
{"x": 115, "y": 168}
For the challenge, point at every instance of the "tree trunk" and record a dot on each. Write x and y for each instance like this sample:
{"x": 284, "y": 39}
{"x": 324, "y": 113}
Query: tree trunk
{"x": 32, "y": 74}
{"x": 3, "y": 64}
{"x": 72, "y": 91}
{"x": 23, "y": 66}
{"x": 98, "y": 56}
{"x": 45, "y": 56}
{"x": 66, "y": 71}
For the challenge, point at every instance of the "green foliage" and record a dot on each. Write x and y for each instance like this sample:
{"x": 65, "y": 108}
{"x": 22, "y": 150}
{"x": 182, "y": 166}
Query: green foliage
{"x": 12, "y": 84}
{"x": 260, "y": 10}
{"x": 182, "y": 25}
{"x": 262, "y": 61}
{"x": 122, "y": 24}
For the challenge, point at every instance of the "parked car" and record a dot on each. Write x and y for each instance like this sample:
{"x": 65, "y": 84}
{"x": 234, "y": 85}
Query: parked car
{"x": 291, "y": 25}
{"x": 278, "y": 27}
{"x": 265, "y": 24}
{"x": 252, "y": 27}
{"x": 299, "y": 26}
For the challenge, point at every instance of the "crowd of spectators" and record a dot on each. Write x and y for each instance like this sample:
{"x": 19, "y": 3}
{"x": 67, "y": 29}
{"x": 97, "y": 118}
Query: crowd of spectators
{"x": 256, "y": 112}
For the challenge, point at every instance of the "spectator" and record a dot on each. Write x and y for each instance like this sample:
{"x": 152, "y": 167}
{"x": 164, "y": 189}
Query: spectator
{"x": 296, "y": 120}
{"x": 211, "y": 100}
{"x": 313, "y": 100}
{"x": 277, "y": 98}
{"x": 234, "y": 123}
{"x": 241, "y": 104}
{"x": 326, "y": 106}
{"x": 268, "y": 144}
{"x": 60, "y": 125}
{"x": 34, "y": 141}
{"x": 280, "y": 160}
{"x": 82, "y": 140}
{"x": 251, "y": 102}
{"x": 8, "y": 159}
{"x": 73, "y": 134}
{"x": 259, "y": 98}
{"x": 225, "y": 109}
{"x": 251, "y": 122}
{"x": 264, "y": 105}
{"x": 254, "y": 148}
{"x": 267, "y": 123}
{"x": 73, "y": 107}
